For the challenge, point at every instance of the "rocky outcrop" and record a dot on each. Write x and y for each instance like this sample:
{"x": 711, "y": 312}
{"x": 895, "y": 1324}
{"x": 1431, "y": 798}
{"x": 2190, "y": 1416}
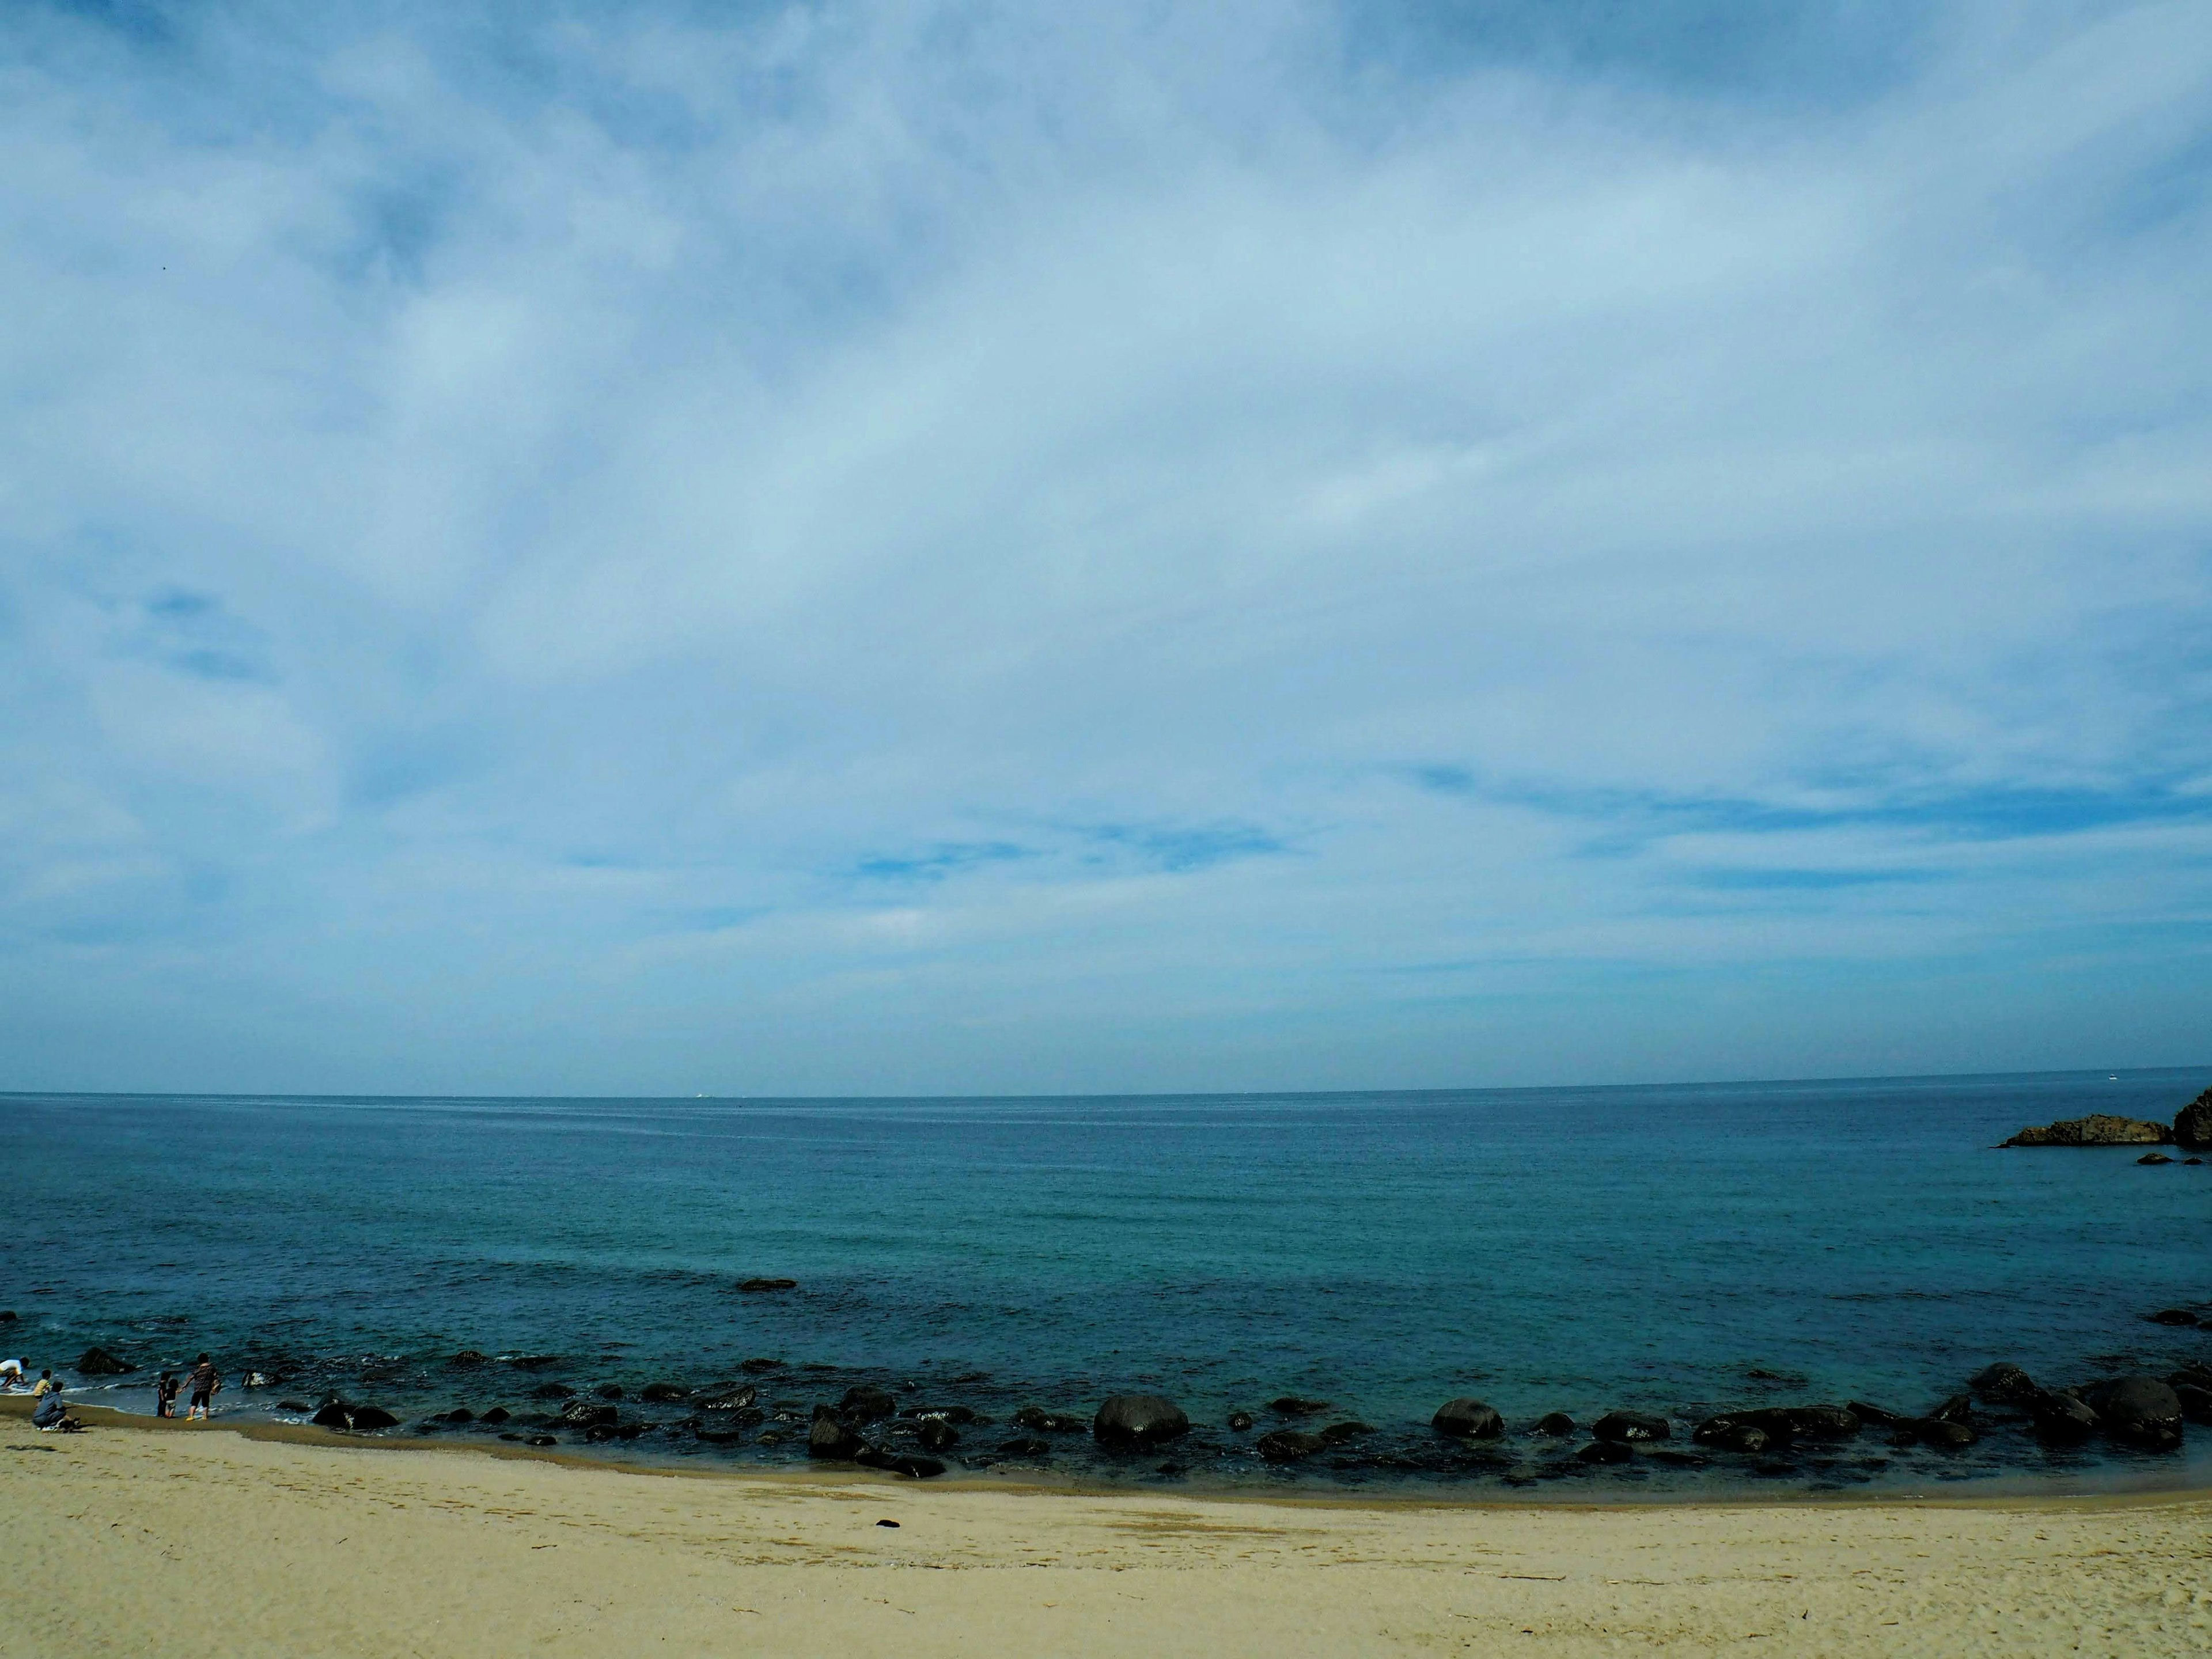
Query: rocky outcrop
{"x": 1138, "y": 1420}
{"x": 2098, "y": 1129}
{"x": 829, "y": 1438}
{"x": 729, "y": 1400}
{"x": 936, "y": 1434}
{"x": 663, "y": 1394}
{"x": 864, "y": 1403}
{"x": 2004, "y": 1384}
{"x": 2192, "y": 1128}
{"x": 1045, "y": 1422}
{"x": 1291, "y": 1405}
{"x": 1555, "y": 1423}
{"x": 1289, "y": 1445}
{"x": 1468, "y": 1420}
{"x": 2062, "y": 1419}
{"x": 1337, "y": 1434}
{"x": 583, "y": 1414}
{"x": 755, "y": 1287}
{"x": 98, "y": 1362}
{"x": 1606, "y": 1451}
{"x": 359, "y": 1420}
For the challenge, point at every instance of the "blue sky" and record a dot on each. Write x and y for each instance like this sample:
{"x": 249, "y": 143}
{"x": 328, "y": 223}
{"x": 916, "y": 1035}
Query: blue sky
{"x": 923, "y": 548}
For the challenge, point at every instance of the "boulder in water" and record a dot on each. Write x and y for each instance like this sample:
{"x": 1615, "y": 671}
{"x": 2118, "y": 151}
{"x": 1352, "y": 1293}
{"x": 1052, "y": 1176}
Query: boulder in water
{"x": 1291, "y": 1405}
{"x": 2098, "y": 1129}
{"x": 1289, "y": 1445}
{"x": 332, "y": 1415}
{"x": 729, "y": 1400}
{"x": 609, "y": 1391}
{"x": 1466, "y": 1418}
{"x": 1027, "y": 1446}
{"x": 470, "y": 1357}
{"x": 1336, "y": 1434}
{"x": 2138, "y": 1411}
{"x": 98, "y": 1362}
{"x": 2153, "y": 1157}
{"x": 1605, "y": 1452}
{"x": 2173, "y": 1316}
{"x": 1880, "y": 1416}
{"x": 663, "y": 1394}
{"x": 828, "y": 1437}
{"x": 937, "y": 1435}
{"x": 905, "y": 1463}
{"x": 2196, "y": 1402}
{"x": 495, "y": 1416}
{"x": 754, "y": 1286}
{"x": 1138, "y": 1420}
{"x": 2004, "y": 1384}
{"x": 2062, "y": 1419}
{"x": 1940, "y": 1432}
{"x": 1240, "y": 1421}
{"x": 552, "y": 1391}
{"x": 583, "y": 1414}
{"x": 1555, "y": 1423}
{"x": 1631, "y": 1425}
{"x": 754, "y": 1367}
{"x": 865, "y": 1402}
{"x": 958, "y": 1416}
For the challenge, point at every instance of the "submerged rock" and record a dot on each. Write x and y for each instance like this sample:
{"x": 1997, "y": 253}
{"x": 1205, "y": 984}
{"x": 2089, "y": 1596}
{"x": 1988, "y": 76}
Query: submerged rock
{"x": 583, "y": 1414}
{"x": 609, "y": 1391}
{"x": 534, "y": 1362}
{"x": 1045, "y": 1422}
{"x": 1138, "y": 1420}
{"x": 1240, "y": 1421}
{"x": 1940, "y": 1432}
{"x": 1881, "y": 1417}
{"x": 2098, "y": 1129}
{"x": 937, "y": 1434}
{"x": 1468, "y": 1420}
{"x": 754, "y": 1286}
{"x": 469, "y": 1356}
{"x": 1555, "y": 1423}
{"x": 2153, "y": 1157}
{"x": 2173, "y": 1316}
{"x": 1606, "y": 1451}
{"x": 1291, "y": 1405}
{"x": 1631, "y": 1425}
{"x": 2196, "y": 1402}
{"x": 2138, "y": 1411}
{"x": 1289, "y": 1445}
{"x": 2062, "y": 1419}
{"x": 958, "y": 1416}
{"x": 1336, "y": 1434}
{"x": 496, "y": 1415}
{"x": 662, "y": 1394}
{"x": 552, "y": 1391}
{"x": 1959, "y": 1408}
{"x": 1027, "y": 1446}
{"x": 98, "y": 1362}
{"x": 754, "y": 1367}
{"x": 729, "y": 1400}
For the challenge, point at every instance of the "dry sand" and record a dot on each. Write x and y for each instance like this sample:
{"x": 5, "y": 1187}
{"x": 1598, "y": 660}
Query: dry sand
{"x": 202, "y": 1540}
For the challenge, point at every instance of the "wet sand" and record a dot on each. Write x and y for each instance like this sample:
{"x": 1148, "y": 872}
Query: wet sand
{"x": 137, "y": 1537}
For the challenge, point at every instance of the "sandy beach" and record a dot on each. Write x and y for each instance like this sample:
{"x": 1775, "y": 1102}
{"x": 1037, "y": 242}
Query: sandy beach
{"x": 133, "y": 1537}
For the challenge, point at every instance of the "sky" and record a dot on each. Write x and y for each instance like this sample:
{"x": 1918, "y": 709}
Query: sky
{"x": 883, "y": 547}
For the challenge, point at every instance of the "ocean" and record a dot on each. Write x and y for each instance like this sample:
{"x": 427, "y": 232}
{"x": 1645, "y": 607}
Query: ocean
{"x": 1672, "y": 1249}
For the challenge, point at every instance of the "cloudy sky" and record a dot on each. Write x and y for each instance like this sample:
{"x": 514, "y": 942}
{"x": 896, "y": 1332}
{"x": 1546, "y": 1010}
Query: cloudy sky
{"x": 882, "y": 546}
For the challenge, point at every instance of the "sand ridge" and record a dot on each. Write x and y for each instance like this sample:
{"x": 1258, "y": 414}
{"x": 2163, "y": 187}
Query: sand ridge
{"x": 193, "y": 1542}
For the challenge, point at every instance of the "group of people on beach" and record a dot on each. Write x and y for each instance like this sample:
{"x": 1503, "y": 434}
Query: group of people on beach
{"x": 202, "y": 1381}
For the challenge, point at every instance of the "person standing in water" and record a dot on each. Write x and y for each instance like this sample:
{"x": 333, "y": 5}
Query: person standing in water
{"x": 205, "y": 1381}
{"x": 164, "y": 1395}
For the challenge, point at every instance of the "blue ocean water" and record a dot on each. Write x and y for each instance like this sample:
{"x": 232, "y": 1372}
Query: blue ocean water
{"x": 1674, "y": 1250}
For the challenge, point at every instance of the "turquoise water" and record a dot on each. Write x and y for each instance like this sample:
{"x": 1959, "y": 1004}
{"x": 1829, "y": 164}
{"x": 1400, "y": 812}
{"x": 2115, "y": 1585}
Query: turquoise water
{"x": 1572, "y": 1250}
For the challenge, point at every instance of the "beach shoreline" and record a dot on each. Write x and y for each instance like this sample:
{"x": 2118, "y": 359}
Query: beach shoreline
{"x": 137, "y": 1535}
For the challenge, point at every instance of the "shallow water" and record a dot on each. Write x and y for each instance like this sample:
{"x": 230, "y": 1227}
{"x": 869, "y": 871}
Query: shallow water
{"x": 1571, "y": 1250}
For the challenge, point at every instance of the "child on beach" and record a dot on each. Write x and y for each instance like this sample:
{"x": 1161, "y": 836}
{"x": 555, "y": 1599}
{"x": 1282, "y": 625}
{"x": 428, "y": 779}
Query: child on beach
{"x": 46, "y": 1385}
{"x": 164, "y": 1395}
{"x": 205, "y": 1382}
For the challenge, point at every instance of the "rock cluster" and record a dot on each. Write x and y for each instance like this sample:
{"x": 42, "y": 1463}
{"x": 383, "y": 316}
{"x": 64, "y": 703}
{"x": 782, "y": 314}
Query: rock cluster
{"x": 2098, "y": 1129}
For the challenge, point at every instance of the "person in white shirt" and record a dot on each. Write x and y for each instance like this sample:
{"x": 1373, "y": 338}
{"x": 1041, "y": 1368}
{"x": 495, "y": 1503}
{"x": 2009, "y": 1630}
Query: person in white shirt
{"x": 11, "y": 1374}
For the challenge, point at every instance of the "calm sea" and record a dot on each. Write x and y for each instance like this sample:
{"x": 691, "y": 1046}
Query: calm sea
{"x": 1674, "y": 1250}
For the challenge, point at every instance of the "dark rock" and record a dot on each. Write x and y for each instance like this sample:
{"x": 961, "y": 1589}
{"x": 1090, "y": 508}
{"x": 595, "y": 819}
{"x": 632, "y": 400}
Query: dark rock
{"x": 2139, "y": 1411}
{"x": 1138, "y": 1420}
{"x": 291, "y": 1405}
{"x": 552, "y": 1391}
{"x": 1045, "y": 1422}
{"x": 2192, "y": 1160}
{"x": 662, "y": 1394}
{"x": 458, "y": 1414}
{"x": 719, "y": 1437}
{"x": 958, "y": 1416}
{"x": 2004, "y": 1384}
{"x": 1877, "y": 1415}
{"x": 887, "y": 1523}
{"x": 598, "y": 1433}
{"x": 583, "y": 1414}
{"x": 1555, "y": 1423}
{"x": 1291, "y": 1405}
{"x": 865, "y": 1402}
{"x": 2062, "y": 1419}
{"x": 830, "y": 1439}
{"x": 937, "y": 1434}
{"x": 333, "y": 1416}
{"x": 609, "y": 1391}
{"x": 537, "y": 1440}
{"x": 495, "y": 1416}
{"x": 534, "y": 1362}
{"x": 754, "y": 1367}
{"x": 2173, "y": 1316}
{"x": 1731, "y": 1435}
{"x": 2196, "y": 1402}
{"x": 1605, "y": 1452}
{"x": 1822, "y": 1422}
{"x": 2098, "y": 1129}
{"x": 1631, "y": 1425}
{"x": 1337, "y": 1433}
{"x": 1240, "y": 1421}
{"x": 1468, "y": 1420}
{"x": 1027, "y": 1446}
{"x": 1959, "y": 1408}
{"x": 918, "y": 1468}
{"x": 729, "y": 1400}
{"x": 1289, "y": 1445}
{"x": 468, "y": 1357}
{"x": 757, "y": 1286}
{"x": 2194, "y": 1372}
{"x": 1683, "y": 1459}
{"x": 2153, "y": 1157}
{"x": 1940, "y": 1432}
{"x": 2192, "y": 1128}
{"x": 98, "y": 1362}
{"x": 631, "y": 1430}
{"x": 7, "y": 1317}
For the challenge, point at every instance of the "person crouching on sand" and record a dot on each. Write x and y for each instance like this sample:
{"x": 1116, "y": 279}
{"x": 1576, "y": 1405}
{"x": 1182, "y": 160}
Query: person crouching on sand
{"x": 164, "y": 1395}
{"x": 205, "y": 1383}
{"x": 53, "y": 1416}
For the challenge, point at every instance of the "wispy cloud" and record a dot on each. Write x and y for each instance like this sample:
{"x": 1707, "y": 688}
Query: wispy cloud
{"x": 930, "y": 543}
